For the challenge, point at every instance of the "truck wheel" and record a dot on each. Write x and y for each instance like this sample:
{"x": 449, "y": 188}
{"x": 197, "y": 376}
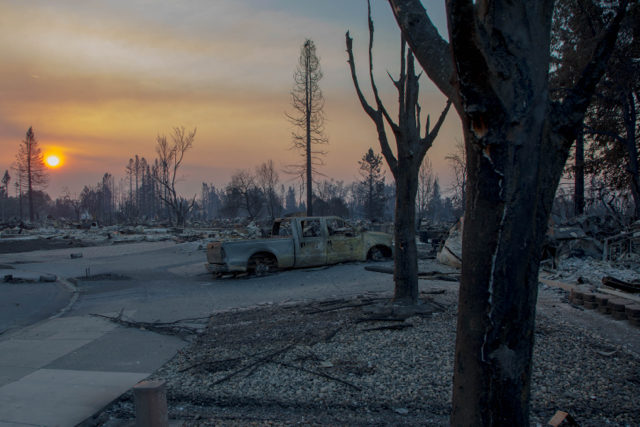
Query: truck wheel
{"x": 261, "y": 269}
{"x": 375, "y": 254}
{"x": 262, "y": 265}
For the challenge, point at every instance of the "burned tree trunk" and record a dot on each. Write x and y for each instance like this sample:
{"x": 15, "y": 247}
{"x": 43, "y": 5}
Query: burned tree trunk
{"x": 405, "y": 269}
{"x": 578, "y": 194}
{"x": 630, "y": 120}
{"x": 517, "y": 143}
{"x": 411, "y": 149}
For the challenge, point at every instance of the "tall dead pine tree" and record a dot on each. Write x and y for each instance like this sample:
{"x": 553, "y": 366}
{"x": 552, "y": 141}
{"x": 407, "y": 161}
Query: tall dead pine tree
{"x": 411, "y": 149}
{"x": 496, "y": 71}
{"x": 308, "y": 103}
{"x": 30, "y": 165}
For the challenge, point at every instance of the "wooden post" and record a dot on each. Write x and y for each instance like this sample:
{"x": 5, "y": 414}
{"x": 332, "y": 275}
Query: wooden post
{"x": 151, "y": 404}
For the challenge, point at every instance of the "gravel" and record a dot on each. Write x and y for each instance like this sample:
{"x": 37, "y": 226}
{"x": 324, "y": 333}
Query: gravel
{"x": 317, "y": 363}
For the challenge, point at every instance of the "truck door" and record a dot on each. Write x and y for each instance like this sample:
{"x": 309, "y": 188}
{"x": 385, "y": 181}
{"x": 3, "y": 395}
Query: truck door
{"x": 312, "y": 248}
{"x": 344, "y": 242}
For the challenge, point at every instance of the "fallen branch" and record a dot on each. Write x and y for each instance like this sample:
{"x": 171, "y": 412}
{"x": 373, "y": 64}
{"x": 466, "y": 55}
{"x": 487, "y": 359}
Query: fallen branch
{"x": 165, "y": 328}
{"x": 206, "y": 362}
{"x": 378, "y": 319}
{"x": 324, "y": 310}
{"x": 433, "y": 275}
{"x": 434, "y": 292}
{"x": 332, "y": 334}
{"x": 320, "y": 374}
{"x": 261, "y": 360}
{"x": 392, "y": 327}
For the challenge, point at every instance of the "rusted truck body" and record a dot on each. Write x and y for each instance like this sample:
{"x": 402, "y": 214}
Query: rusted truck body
{"x": 298, "y": 242}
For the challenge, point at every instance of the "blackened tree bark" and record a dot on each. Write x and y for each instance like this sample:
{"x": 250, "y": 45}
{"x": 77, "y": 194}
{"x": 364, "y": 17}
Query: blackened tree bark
{"x": 578, "y": 192}
{"x": 495, "y": 71}
{"x": 411, "y": 149}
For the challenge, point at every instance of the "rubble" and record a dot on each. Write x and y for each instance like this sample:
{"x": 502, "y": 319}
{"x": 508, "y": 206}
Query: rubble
{"x": 21, "y": 236}
{"x": 451, "y": 251}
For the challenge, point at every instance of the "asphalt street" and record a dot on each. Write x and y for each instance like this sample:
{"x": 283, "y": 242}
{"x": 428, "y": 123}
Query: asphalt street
{"x": 161, "y": 281}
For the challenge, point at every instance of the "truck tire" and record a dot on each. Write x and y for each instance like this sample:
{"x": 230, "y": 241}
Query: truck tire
{"x": 261, "y": 269}
{"x": 262, "y": 264}
{"x": 378, "y": 253}
{"x": 375, "y": 254}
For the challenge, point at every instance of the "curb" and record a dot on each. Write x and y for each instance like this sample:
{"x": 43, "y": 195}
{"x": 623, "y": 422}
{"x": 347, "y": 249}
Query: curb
{"x": 76, "y": 293}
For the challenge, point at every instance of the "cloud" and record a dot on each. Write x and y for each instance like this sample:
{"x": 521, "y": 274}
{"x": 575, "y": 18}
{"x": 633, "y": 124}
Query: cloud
{"x": 101, "y": 79}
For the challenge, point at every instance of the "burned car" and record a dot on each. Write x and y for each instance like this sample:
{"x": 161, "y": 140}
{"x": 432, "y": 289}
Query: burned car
{"x": 297, "y": 242}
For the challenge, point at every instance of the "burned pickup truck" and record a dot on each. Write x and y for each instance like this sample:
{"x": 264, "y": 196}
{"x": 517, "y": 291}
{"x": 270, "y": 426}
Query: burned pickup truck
{"x": 298, "y": 242}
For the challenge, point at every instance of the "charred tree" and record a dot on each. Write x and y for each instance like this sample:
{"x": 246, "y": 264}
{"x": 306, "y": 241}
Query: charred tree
{"x": 244, "y": 194}
{"x": 267, "y": 178}
{"x": 371, "y": 188}
{"x": 458, "y": 163}
{"x": 496, "y": 71}
{"x": 30, "y": 165}
{"x": 611, "y": 120}
{"x": 5, "y": 181}
{"x": 578, "y": 192}
{"x": 171, "y": 156}
{"x": 411, "y": 149}
{"x": 426, "y": 180}
{"x": 308, "y": 103}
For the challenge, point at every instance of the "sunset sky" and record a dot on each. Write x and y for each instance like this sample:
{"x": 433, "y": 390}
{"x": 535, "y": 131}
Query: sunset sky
{"x": 99, "y": 80}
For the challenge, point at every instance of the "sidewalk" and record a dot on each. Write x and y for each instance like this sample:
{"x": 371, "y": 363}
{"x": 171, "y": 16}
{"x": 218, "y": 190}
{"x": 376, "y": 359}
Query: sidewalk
{"x": 64, "y": 370}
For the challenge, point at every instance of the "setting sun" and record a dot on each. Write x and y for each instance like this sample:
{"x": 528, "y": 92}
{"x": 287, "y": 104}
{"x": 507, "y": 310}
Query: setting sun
{"x": 52, "y": 161}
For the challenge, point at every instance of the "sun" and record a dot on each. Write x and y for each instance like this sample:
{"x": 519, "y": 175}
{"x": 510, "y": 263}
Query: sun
{"x": 52, "y": 161}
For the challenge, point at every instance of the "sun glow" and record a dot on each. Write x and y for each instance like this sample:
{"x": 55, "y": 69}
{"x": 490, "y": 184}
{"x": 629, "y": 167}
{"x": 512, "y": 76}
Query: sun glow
{"x": 53, "y": 161}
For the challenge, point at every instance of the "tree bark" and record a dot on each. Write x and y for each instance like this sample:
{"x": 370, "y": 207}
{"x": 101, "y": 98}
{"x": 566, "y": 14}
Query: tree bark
{"x": 405, "y": 268}
{"x": 29, "y": 176}
{"x": 629, "y": 116}
{"x": 309, "y": 171}
{"x": 578, "y": 198}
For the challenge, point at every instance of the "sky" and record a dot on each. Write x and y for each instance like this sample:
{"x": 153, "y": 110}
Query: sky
{"x": 100, "y": 80}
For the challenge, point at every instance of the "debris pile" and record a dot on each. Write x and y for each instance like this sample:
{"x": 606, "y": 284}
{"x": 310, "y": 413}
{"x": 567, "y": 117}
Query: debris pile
{"x": 450, "y": 253}
{"x": 604, "y": 237}
{"x": 22, "y": 236}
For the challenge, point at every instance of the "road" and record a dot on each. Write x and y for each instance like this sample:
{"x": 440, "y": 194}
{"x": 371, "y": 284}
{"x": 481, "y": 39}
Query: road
{"x": 166, "y": 280}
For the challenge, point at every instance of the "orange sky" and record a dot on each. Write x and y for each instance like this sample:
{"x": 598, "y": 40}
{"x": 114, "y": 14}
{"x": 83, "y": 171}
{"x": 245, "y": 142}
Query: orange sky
{"x": 98, "y": 81}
